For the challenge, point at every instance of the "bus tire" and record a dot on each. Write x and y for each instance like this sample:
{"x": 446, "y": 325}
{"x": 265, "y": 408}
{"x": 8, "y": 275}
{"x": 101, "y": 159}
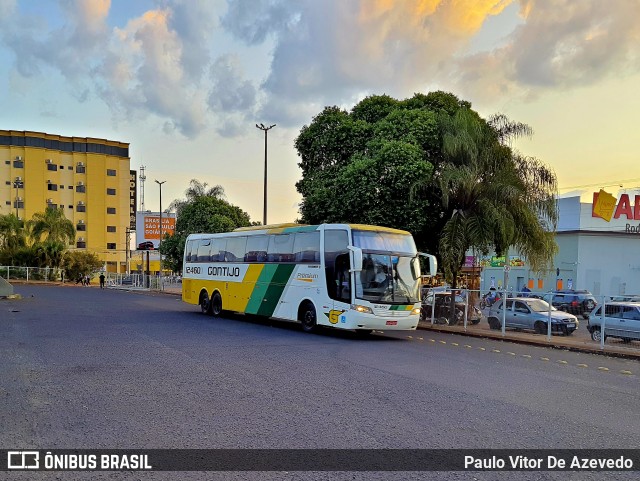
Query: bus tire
{"x": 307, "y": 315}
{"x": 216, "y": 304}
{"x": 205, "y": 305}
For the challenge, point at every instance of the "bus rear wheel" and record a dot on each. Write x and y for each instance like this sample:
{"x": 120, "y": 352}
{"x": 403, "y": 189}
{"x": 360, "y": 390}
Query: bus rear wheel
{"x": 216, "y": 304}
{"x": 205, "y": 305}
{"x": 308, "y": 317}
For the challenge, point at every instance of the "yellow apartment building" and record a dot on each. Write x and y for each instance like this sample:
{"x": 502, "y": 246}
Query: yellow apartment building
{"x": 87, "y": 178}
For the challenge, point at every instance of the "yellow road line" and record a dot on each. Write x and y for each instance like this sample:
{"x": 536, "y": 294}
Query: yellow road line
{"x": 527, "y": 356}
{"x": 467, "y": 345}
{"x": 563, "y": 362}
{"x": 511, "y": 353}
{"x": 603, "y": 368}
{"x": 443, "y": 342}
{"x": 496, "y": 350}
{"x": 482, "y": 348}
{"x": 454, "y": 344}
{"x": 544, "y": 358}
{"x": 625, "y": 372}
{"x": 583, "y": 365}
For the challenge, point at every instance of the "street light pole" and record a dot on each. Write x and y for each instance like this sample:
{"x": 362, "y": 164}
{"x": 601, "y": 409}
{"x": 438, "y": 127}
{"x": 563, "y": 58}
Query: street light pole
{"x": 16, "y": 184}
{"x": 160, "y": 243}
{"x": 265, "y": 129}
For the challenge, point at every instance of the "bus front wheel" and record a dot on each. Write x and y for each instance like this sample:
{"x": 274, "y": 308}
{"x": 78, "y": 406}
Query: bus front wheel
{"x": 308, "y": 317}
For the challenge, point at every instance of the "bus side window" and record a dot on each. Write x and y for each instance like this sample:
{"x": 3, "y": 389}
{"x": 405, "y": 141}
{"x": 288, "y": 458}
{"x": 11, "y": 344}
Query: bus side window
{"x": 187, "y": 250}
{"x": 280, "y": 248}
{"x": 236, "y": 249}
{"x": 306, "y": 247}
{"x": 218, "y": 247}
{"x": 203, "y": 250}
{"x": 257, "y": 248}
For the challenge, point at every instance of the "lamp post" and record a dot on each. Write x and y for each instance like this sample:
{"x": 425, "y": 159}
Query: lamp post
{"x": 17, "y": 184}
{"x": 160, "y": 243}
{"x": 265, "y": 129}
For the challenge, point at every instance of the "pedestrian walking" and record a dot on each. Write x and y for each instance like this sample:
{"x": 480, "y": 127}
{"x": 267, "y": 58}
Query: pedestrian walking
{"x": 102, "y": 280}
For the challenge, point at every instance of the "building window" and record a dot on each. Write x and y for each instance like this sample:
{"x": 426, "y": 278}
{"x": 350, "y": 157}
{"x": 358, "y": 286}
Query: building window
{"x": 80, "y": 169}
{"x": 81, "y": 227}
{"x": 18, "y": 164}
{"x": 8, "y": 202}
{"x": 52, "y": 167}
{"x": 111, "y": 228}
{"x": 81, "y": 245}
{"x": 111, "y": 172}
{"x": 71, "y": 207}
{"x": 52, "y": 186}
{"x": 81, "y": 208}
{"x": 111, "y": 191}
{"x": 111, "y": 245}
{"x": 52, "y": 206}
{"x": 111, "y": 210}
{"x": 70, "y": 187}
{"x": 81, "y": 188}
{"x": 18, "y": 204}
{"x": 8, "y": 182}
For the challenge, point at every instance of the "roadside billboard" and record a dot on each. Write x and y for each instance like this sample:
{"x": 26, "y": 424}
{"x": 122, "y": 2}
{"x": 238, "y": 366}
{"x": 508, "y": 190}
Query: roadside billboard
{"x": 148, "y": 226}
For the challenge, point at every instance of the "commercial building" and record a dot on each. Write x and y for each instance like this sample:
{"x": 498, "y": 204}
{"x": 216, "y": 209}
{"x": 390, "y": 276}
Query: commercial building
{"x": 598, "y": 237}
{"x": 89, "y": 179}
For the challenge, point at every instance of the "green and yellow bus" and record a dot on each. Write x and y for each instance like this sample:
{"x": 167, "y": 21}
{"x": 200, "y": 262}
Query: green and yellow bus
{"x": 347, "y": 276}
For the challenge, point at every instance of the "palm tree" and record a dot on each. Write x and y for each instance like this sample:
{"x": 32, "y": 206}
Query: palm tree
{"x": 493, "y": 198}
{"x": 51, "y": 225}
{"x": 195, "y": 190}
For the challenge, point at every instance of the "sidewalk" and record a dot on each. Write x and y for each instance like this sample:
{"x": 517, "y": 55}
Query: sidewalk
{"x": 574, "y": 342}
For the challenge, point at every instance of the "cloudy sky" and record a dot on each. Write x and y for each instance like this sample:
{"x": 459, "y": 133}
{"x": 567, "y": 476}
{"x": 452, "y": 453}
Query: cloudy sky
{"x": 185, "y": 81}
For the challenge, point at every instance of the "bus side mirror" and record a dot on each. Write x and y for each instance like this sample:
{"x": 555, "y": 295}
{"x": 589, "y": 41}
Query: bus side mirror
{"x": 432, "y": 262}
{"x": 357, "y": 259}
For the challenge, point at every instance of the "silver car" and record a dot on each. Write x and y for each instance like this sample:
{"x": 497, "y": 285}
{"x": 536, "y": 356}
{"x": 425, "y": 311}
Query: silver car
{"x": 531, "y": 313}
{"x": 622, "y": 320}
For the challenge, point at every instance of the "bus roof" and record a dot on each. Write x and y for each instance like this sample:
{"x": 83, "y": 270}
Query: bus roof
{"x": 293, "y": 227}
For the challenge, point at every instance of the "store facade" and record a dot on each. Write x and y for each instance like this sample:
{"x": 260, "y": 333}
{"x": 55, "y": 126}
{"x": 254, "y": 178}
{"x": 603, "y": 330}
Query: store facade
{"x": 598, "y": 240}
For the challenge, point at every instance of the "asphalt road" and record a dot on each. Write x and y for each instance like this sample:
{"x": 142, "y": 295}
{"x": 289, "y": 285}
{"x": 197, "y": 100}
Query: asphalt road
{"x": 85, "y": 368}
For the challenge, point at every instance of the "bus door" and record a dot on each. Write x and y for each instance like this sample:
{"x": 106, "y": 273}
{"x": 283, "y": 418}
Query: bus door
{"x": 338, "y": 273}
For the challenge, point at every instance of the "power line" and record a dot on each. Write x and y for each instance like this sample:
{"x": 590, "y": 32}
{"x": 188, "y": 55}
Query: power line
{"x": 602, "y": 184}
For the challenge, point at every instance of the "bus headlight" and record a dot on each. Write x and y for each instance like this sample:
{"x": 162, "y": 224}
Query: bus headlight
{"x": 363, "y": 309}
{"x": 416, "y": 311}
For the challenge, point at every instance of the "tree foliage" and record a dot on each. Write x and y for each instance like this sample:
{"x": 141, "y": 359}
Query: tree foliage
{"x": 51, "y": 225}
{"x": 77, "y": 264}
{"x": 201, "y": 212}
{"x": 359, "y": 166}
{"x": 432, "y": 166}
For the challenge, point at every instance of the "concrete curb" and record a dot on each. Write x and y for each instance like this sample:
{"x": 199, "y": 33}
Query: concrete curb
{"x": 530, "y": 339}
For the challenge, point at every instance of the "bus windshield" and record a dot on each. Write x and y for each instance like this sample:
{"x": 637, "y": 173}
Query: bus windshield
{"x": 384, "y": 242}
{"x": 388, "y": 278}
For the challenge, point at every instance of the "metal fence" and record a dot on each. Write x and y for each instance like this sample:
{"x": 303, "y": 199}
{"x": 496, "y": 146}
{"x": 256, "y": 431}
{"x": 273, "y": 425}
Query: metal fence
{"x": 563, "y": 318}
{"x": 112, "y": 280}
{"x": 28, "y": 274}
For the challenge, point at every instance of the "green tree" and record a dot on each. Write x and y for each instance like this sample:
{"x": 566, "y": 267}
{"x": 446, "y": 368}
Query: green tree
{"x": 78, "y": 263}
{"x": 195, "y": 190}
{"x": 51, "y": 225}
{"x": 359, "y": 166}
{"x": 12, "y": 237}
{"x": 493, "y": 197}
{"x": 200, "y": 213}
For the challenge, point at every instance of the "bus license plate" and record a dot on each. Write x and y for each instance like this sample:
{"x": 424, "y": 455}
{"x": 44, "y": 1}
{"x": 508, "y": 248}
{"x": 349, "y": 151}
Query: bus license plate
{"x": 392, "y": 323}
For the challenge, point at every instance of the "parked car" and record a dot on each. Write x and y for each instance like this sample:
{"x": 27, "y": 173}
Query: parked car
{"x": 443, "y": 306}
{"x": 622, "y": 320}
{"x": 146, "y": 246}
{"x": 580, "y": 303}
{"x": 533, "y": 314}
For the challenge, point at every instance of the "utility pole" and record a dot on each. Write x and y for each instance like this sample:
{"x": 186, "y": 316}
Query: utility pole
{"x": 265, "y": 129}
{"x": 160, "y": 243}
